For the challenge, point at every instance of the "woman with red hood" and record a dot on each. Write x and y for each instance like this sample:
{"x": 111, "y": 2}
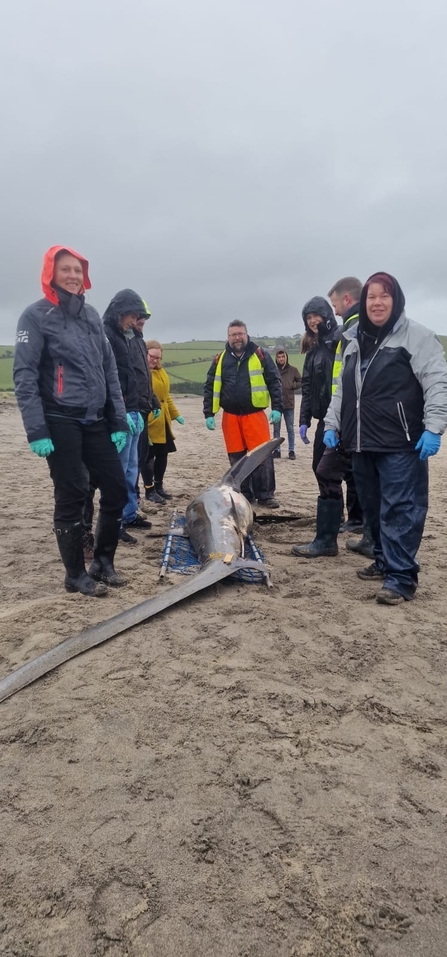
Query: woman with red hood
{"x": 390, "y": 409}
{"x": 68, "y": 393}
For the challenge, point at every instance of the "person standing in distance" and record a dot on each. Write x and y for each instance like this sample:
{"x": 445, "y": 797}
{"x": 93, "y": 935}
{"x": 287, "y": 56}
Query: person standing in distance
{"x": 243, "y": 380}
{"x": 68, "y": 393}
{"x": 290, "y": 383}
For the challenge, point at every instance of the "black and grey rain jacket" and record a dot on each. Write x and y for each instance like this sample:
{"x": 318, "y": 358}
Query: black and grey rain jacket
{"x": 402, "y": 390}
{"x": 64, "y": 366}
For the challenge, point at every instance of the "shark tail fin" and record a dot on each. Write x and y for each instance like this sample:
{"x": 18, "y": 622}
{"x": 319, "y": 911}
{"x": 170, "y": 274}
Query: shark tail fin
{"x": 245, "y": 466}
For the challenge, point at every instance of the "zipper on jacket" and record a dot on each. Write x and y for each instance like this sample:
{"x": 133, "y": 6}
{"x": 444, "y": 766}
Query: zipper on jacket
{"x": 358, "y": 366}
{"x": 403, "y": 420}
{"x": 60, "y": 379}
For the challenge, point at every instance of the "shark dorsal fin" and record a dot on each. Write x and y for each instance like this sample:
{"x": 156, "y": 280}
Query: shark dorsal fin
{"x": 245, "y": 466}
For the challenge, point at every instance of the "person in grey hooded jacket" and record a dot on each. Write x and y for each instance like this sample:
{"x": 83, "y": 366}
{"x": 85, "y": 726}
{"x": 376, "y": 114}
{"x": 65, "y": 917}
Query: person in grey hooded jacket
{"x": 69, "y": 396}
{"x": 390, "y": 409}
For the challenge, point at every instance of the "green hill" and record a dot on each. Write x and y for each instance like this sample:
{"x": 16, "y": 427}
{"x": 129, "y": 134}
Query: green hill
{"x": 187, "y": 363}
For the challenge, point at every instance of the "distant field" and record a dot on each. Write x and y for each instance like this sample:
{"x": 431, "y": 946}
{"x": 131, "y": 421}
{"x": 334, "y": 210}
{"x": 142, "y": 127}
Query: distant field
{"x": 187, "y": 363}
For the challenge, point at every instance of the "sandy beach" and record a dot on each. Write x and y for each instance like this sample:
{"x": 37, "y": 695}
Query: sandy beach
{"x": 253, "y": 773}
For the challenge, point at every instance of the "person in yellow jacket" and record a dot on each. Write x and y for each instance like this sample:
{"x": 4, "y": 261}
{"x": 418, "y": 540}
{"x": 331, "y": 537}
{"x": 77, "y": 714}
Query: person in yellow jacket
{"x": 161, "y": 435}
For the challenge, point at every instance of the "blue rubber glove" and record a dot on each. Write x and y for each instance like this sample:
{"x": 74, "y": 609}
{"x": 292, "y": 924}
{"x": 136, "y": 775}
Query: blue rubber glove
{"x": 303, "y": 434}
{"x": 330, "y": 439}
{"x": 210, "y": 423}
{"x": 119, "y": 439}
{"x": 42, "y": 447}
{"x": 429, "y": 444}
{"x": 275, "y": 417}
{"x": 140, "y": 422}
{"x": 156, "y": 413}
{"x": 131, "y": 424}
{"x": 180, "y": 420}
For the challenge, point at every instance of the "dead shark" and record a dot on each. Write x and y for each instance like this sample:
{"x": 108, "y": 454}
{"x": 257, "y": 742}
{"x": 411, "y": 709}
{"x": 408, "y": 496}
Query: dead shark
{"x": 217, "y": 522}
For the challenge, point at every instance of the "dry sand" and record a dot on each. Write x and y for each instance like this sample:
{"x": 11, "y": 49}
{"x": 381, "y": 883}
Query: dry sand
{"x": 253, "y": 773}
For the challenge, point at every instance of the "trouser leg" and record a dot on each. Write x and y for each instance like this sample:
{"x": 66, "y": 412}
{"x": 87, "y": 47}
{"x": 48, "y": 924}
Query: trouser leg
{"x": 367, "y": 483}
{"x": 289, "y": 419}
{"x": 403, "y": 509}
{"x": 143, "y": 454}
{"x": 353, "y": 506}
{"x": 129, "y": 462}
{"x": 68, "y": 472}
{"x": 160, "y": 465}
{"x": 330, "y": 471}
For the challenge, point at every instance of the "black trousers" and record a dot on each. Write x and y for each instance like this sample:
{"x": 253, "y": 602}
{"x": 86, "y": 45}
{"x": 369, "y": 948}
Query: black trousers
{"x": 81, "y": 451}
{"x": 334, "y": 466}
{"x": 156, "y": 464}
{"x": 261, "y": 483}
{"x": 144, "y": 454}
{"x": 319, "y": 447}
{"x": 393, "y": 491}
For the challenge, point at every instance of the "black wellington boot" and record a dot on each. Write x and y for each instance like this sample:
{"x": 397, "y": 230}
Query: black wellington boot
{"x": 329, "y": 512}
{"x": 162, "y": 491}
{"x": 364, "y": 545}
{"x": 69, "y": 540}
{"x": 106, "y": 541}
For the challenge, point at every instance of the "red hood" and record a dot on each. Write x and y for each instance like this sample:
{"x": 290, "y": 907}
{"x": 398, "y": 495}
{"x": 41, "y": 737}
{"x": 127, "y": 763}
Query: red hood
{"x": 48, "y": 272}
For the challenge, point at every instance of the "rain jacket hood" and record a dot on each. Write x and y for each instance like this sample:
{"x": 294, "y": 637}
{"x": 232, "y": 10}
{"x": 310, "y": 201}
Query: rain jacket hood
{"x": 370, "y": 335}
{"x": 320, "y": 307}
{"x": 47, "y": 274}
{"x": 279, "y": 351}
{"x": 122, "y": 304}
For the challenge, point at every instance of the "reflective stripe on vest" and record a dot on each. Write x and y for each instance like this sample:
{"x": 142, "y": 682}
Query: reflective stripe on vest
{"x": 338, "y": 360}
{"x": 259, "y": 393}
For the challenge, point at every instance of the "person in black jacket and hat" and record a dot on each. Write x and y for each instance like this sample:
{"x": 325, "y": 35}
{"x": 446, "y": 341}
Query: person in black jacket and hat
{"x": 148, "y": 401}
{"x": 319, "y": 343}
{"x": 120, "y": 317}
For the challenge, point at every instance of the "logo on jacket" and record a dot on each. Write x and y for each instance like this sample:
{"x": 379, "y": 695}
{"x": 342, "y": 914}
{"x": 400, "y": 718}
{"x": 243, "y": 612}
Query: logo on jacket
{"x": 22, "y": 335}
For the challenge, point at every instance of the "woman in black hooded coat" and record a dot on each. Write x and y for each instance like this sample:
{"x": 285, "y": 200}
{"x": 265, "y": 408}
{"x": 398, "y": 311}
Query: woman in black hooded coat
{"x": 319, "y": 344}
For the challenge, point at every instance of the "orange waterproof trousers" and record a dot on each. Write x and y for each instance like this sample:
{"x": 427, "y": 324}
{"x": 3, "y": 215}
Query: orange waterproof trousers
{"x": 245, "y": 432}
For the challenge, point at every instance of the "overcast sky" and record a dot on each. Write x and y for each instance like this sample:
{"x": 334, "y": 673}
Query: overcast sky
{"x": 225, "y": 158}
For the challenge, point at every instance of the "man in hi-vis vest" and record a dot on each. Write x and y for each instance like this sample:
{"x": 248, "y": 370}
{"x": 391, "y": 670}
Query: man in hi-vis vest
{"x": 244, "y": 381}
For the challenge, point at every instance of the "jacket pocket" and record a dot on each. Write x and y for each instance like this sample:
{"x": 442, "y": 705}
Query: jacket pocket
{"x": 403, "y": 420}
{"x": 60, "y": 379}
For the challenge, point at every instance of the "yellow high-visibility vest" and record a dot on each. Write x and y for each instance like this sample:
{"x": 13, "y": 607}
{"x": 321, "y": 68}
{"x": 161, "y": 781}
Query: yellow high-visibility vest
{"x": 259, "y": 393}
{"x": 338, "y": 360}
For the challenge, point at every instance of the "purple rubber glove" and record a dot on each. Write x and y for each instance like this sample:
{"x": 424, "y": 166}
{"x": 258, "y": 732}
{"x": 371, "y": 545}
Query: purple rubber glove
{"x": 330, "y": 439}
{"x": 303, "y": 434}
{"x": 429, "y": 444}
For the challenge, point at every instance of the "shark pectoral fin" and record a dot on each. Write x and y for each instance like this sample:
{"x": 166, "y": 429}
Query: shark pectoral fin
{"x": 210, "y": 574}
{"x": 259, "y": 566}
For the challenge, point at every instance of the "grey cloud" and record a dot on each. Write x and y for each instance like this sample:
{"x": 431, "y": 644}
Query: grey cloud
{"x": 225, "y": 158}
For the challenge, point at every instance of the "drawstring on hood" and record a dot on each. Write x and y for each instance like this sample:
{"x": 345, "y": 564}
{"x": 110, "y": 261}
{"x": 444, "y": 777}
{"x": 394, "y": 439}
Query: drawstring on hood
{"x": 320, "y": 307}
{"x": 369, "y": 335}
{"x": 55, "y": 294}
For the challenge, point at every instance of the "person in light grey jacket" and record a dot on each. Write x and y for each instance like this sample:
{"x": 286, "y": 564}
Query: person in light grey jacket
{"x": 390, "y": 409}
